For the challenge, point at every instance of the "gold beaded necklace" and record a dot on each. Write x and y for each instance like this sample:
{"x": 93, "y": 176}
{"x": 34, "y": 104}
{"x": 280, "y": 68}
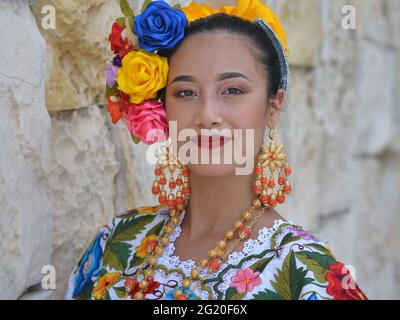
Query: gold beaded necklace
{"x": 215, "y": 256}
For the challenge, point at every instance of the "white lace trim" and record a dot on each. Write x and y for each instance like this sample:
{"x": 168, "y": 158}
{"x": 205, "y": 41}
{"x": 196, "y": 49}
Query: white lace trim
{"x": 251, "y": 246}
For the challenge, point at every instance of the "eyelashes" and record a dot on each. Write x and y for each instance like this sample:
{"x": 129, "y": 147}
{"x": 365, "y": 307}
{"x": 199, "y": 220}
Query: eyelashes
{"x": 232, "y": 91}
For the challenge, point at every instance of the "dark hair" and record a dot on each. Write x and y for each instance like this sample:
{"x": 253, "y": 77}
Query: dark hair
{"x": 241, "y": 27}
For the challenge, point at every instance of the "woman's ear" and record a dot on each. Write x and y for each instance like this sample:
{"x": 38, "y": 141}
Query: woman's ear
{"x": 274, "y": 107}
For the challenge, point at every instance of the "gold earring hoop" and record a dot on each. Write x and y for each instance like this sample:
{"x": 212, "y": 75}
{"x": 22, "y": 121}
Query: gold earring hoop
{"x": 273, "y": 158}
{"x": 176, "y": 201}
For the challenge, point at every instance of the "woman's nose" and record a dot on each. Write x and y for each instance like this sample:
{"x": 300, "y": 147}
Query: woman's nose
{"x": 209, "y": 115}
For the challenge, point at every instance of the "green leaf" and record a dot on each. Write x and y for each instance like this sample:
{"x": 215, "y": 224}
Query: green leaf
{"x": 131, "y": 23}
{"x": 135, "y": 139}
{"x": 120, "y": 21}
{"x": 135, "y": 261}
{"x": 126, "y": 8}
{"x": 121, "y": 292}
{"x": 156, "y": 229}
{"x": 321, "y": 249}
{"x": 126, "y": 230}
{"x": 288, "y": 238}
{"x": 282, "y": 279}
{"x": 298, "y": 278}
{"x": 87, "y": 293}
{"x": 177, "y": 7}
{"x": 267, "y": 295}
{"x": 312, "y": 265}
{"x": 110, "y": 91}
{"x": 232, "y": 294}
{"x": 261, "y": 264}
{"x": 116, "y": 255}
{"x": 290, "y": 280}
{"x": 144, "y": 6}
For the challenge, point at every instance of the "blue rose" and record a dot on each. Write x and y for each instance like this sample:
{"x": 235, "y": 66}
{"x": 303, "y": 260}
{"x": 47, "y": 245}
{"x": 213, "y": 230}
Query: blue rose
{"x": 89, "y": 266}
{"x": 159, "y": 26}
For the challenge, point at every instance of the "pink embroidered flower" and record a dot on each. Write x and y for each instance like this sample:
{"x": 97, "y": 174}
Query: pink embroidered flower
{"x": 148, "y": 121}
{"x": 245, "y": 280}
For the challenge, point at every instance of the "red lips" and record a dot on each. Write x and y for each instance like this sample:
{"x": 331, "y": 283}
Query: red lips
{"x": 210, "y": 142}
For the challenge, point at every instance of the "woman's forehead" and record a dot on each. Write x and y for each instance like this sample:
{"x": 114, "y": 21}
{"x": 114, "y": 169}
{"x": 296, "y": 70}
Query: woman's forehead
{"x": 214, "y": 53}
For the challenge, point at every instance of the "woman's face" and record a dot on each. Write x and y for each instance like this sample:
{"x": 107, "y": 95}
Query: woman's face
{"x": 215, "y": 82}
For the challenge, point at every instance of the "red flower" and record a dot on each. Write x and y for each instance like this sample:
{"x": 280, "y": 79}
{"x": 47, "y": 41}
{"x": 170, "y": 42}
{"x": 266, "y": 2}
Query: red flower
{"x": 119, "y": 45}
{"x": 114, "y": 110}
{"x": 341, "y": 285}
{"x": 151, "y": 288}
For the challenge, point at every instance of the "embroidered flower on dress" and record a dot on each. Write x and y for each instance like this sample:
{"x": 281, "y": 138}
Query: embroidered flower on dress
{"x": 245, "y": 280}
{"x": 105, "y": 282}
{"x": 300, "y": 232}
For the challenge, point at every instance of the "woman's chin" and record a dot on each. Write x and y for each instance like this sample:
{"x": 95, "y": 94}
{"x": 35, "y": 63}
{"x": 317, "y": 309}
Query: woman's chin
{"x": 212, "y": 170}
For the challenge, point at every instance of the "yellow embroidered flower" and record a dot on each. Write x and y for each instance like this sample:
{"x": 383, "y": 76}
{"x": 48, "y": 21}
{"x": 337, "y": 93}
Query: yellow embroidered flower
{"x": 147, "y": 243}
{"x": 246, "y": 9}
{"x": 104, "y": 283}
{"x": 142, "y": 74}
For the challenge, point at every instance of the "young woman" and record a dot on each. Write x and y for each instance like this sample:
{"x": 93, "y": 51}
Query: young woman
{"x": 216, "y": 234}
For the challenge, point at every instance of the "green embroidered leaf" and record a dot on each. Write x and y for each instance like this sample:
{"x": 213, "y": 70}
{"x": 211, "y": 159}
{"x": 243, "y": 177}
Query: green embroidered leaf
{"x": 322, "y": 259}
{"x": 135, "y": 261}
{"x": 121, "y": 292}
{"x": 156, "y": 229}
{"x": 232, "y": 294}
{"x": 116, "y": 255}
{"x": 261, "y": 264}
{"x": 297, "y": 278}
{"x": 267, "y": 295}
{"x": 135, "y": 139}
{"x": 282, "y": 279}
{"x": 321, "y": 249}
{"x": 106, "y": 296}
{"x": 102, "y": 272}
{"x": 110, "y": 91}
{"x": 318, "y": 271}
{"x": 144, "y": 6}
{"x": 131, "y": 23}
{"x": 290, "y": 280}
{"x": 126, "y": 8}
{"x": 288, "y": 238}
{"x": 87, "y": 293}
{"x": 128, "y": 229}
{"x": 129, "y": 214}
{"x": 276, "y": 234}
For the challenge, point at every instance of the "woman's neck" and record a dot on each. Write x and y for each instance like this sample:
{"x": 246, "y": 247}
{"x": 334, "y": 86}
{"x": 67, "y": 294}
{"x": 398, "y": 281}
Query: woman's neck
{"x": 216, "y": 203}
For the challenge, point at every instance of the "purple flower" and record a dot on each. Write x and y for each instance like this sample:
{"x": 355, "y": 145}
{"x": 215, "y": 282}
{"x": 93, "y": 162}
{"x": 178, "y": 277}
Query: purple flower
{"x": 300, "y": 232}
{"x": 111, "y": 74}
{"x": 117, "y": 61}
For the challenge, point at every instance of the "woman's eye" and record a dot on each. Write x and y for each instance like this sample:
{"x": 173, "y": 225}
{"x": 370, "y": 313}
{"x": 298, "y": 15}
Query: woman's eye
{"x": 234, "y": 91}
{"x": 184, "y": 93}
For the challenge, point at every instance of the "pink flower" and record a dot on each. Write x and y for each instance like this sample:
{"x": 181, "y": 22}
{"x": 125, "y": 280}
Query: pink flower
{"x": 147, "y": 121}
{"x": 245, "y": 280}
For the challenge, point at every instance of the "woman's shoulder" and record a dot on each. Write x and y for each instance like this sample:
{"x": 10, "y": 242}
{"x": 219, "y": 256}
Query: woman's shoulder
{"x": 304, "y": 267}
{"x": 118, "y": 246}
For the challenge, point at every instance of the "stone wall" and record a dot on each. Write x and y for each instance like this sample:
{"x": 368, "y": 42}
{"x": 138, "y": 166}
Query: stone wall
{"x": 65, "y": 170}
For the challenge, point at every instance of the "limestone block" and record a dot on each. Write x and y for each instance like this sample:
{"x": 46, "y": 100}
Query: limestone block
{"x": 25, "y": 211}
{"x": 78, "y": 50}
{"x": 80, "y": 183}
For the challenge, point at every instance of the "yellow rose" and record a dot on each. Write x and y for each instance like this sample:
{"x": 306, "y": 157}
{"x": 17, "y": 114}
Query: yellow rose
{"x": 245, "y": 9}
{"x": 142, "y": 74}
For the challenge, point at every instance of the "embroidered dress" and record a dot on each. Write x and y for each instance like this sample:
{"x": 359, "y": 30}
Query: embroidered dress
{"x": 285, "y": 262}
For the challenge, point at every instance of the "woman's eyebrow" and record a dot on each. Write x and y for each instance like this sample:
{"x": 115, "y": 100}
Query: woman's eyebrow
{"x": 222, "y": 76}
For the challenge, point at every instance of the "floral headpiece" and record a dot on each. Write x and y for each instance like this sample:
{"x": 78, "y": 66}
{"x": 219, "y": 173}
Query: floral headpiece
{"x": 137, "y": 73}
